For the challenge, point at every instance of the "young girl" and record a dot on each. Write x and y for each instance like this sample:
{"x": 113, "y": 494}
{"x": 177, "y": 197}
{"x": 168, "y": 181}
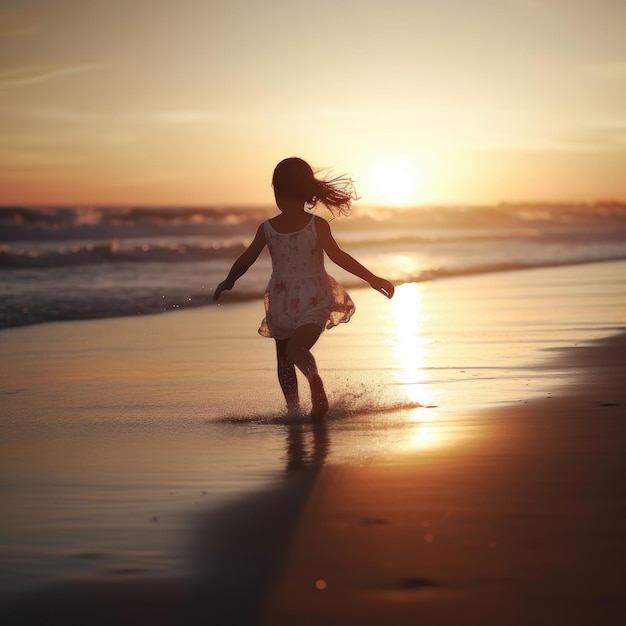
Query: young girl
{"x": 301, "y": 298}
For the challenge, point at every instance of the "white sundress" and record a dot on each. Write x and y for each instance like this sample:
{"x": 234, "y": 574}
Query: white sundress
{"x": 300, "y": 291}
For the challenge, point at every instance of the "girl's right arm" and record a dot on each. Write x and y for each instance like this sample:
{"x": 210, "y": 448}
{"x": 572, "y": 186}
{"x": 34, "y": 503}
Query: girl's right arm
{"x": 348, "y": 262}
{"x": 243, "y": 263}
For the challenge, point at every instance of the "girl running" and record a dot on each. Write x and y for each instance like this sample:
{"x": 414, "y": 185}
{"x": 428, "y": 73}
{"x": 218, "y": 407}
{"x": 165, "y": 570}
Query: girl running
{"x": 301, "y": 298}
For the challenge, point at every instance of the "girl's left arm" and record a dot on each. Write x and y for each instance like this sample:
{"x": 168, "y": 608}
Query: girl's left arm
{"x": 347, "y": 261}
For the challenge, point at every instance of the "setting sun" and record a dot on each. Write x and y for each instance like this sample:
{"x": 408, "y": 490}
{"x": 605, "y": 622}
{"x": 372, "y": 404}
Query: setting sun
{"x": 394, "y": 181}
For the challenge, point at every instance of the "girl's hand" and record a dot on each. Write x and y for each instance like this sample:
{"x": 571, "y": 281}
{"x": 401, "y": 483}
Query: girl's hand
{"x": 383, "y": 286}
{"x": 225, "y": 285}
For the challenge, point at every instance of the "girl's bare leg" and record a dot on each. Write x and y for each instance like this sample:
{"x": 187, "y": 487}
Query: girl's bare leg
{"x": 319, "y": 400}
{"x": 287, "y": 377}
{"x": 299, "y": 352}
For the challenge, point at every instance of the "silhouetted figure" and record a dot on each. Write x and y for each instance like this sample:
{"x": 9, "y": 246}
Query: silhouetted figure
{"x": 301, "y": 298}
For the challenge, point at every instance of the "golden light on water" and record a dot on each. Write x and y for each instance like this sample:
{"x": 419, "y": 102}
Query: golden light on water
{"x": 405, "y": 266}
{"x": 411, "y": 346}
{"x": 412, "y": 349}
{"x": 426, "y": 433}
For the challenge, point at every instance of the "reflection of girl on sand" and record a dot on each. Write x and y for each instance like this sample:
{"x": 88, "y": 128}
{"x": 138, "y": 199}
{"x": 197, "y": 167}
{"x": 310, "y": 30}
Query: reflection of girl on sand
{"x": 301, "y": 298}
{"x": 299, "y": 454}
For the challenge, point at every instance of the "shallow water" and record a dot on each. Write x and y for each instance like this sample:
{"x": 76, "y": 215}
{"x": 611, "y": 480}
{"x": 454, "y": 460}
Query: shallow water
{"x": 85, "y": 263}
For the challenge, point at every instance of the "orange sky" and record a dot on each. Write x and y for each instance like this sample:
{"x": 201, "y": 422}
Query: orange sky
{"x": 192, "y": 102}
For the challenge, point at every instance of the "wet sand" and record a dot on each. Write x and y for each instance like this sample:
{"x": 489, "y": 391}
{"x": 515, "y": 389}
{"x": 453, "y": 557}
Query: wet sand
{"x": 470, "y": 469}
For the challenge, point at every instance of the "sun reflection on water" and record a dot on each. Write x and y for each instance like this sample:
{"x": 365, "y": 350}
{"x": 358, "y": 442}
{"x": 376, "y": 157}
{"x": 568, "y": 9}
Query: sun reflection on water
{"x": 410, "y": 343}
{"x": 426, "y": 433}
{"x": 412, "y": 348}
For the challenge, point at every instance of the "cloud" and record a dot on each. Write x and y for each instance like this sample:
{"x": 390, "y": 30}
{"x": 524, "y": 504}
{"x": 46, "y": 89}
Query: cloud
{"x": 589, "y": 135}
{"x": 182, "y": 116}
{"x": 133, "y": 118}
{"x": 55, "y": 139}
{"x": 61, "y": 115}
{"x": 339, "y": 113}
{"x": 29, "y": 73}
{"x": 530, "y": 143}
{"x": 120, "y": 120}
{"x": 608, "y": 134}
{"x": 25, "y": 158}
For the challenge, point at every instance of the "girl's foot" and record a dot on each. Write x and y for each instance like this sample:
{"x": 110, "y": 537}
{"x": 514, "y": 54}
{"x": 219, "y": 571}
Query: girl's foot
{"x": 319, "y": 400}
{"x": 293, "y": 410}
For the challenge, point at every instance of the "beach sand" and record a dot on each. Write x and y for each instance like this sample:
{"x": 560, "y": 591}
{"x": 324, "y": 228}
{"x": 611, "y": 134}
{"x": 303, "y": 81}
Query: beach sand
{"x": 470, "y": 470}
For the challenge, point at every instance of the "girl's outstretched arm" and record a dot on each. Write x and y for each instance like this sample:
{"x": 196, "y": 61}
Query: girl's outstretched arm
{"x": 348, "y": 262}
{"x": 243, "y": 263}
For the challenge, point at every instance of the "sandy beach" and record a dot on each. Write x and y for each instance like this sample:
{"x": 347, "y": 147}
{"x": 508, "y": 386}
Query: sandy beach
{"x": 470, "y": 469}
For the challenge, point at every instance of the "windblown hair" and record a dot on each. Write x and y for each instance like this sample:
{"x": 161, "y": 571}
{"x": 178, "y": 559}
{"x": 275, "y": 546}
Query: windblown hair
{"x": 295, "y": 178}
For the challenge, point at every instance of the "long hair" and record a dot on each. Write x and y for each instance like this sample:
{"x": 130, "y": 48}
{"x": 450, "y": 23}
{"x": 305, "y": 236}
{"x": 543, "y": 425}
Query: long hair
{"x": 295, "y": 178}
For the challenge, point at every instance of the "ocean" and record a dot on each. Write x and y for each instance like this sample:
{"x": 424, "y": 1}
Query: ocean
{"x": 71, "y": 263}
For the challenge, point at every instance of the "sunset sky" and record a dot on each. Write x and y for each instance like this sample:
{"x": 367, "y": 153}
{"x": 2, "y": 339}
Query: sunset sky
{"x": 191, "y": 102}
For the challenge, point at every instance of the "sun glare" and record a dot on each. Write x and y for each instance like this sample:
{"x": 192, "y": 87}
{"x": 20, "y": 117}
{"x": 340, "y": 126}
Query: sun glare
{"x": 411, "y": 345}
{"x": 394, "y": 181}
{"x": 412, "y": 350}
